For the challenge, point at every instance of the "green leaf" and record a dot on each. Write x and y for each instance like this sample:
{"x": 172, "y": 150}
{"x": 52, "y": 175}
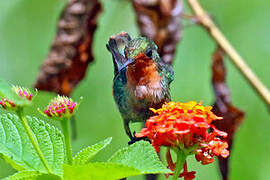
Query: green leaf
{"x": 7, "y": 92}
{"x": 104, "y": 171}
{"x": 32, "y": 175}
{"x": 48, "y": 177}
{"x": 86, "y": 154}
{"x": 141, "y": 156}
{"x": 24, "y": 175}
{"x": 17, "y": 150}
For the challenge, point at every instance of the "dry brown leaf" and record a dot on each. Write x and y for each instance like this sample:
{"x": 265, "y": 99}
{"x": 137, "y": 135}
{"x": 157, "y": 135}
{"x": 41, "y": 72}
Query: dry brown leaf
{"x": 71, "y": 51}
{"x": 160, "y": 20}
{"x": 232, "y": 116}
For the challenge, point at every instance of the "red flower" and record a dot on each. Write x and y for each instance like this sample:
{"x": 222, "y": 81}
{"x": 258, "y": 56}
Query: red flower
{"x": 186, "y": 127}
{"x": 187, "y": 175}
{"x": 215, "y": 147}
{"x": 182, "y": 125}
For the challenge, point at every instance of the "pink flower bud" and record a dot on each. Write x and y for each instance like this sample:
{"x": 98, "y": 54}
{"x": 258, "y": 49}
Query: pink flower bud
{"x": 7, "y": 104}
{"x": 23, "y": 92}
{"x": 61, "y": 107}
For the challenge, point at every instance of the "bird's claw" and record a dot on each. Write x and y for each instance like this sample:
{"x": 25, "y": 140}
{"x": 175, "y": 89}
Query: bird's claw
{"x": 135, "y": 139}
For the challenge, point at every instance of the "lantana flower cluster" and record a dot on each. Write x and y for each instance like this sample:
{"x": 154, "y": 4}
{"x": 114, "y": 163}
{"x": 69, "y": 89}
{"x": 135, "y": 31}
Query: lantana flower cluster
{"x": 61, "y": 107}
{"x": 7, "y": 104}
{"x": 23, "y": 93}
{"x": 186, "y": 126}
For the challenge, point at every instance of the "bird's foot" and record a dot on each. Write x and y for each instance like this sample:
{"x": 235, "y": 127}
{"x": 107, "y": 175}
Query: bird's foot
{"x": 135, "y": 139}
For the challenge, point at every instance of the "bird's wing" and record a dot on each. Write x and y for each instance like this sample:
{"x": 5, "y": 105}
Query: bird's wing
{"x": 166, "y": 70}
{"x": 170, "y": 73}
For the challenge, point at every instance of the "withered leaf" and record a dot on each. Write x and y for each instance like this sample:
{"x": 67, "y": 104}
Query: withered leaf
{"x": 70, "y": 53}
{"x": 232, "y": 116}
{"x": 160, "y": 20}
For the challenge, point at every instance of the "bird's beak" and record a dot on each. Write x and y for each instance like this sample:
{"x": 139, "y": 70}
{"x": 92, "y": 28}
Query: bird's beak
{"x": 128, "y": 62}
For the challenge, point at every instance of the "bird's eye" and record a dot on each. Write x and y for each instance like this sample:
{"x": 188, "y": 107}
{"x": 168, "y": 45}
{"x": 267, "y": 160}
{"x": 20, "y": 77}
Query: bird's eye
{"x": 149, "y": 53}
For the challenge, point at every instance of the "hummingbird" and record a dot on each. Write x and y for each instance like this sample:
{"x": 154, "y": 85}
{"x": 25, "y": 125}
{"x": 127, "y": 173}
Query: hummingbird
{"x": 141, "y": 78}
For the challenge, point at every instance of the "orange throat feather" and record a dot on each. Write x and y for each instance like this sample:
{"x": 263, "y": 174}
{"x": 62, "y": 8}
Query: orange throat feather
{"x": 143, "y": 79}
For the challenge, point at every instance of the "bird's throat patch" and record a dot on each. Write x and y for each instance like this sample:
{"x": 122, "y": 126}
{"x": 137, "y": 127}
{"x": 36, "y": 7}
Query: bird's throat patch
{"x": 143, "y": 77}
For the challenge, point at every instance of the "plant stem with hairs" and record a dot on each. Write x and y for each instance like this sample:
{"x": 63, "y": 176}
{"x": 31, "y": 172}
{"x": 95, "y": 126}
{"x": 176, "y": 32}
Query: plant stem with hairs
{"x": 33, "y": 139}
{"x": 181, "y": 158}
{"x": 66, "y": 130}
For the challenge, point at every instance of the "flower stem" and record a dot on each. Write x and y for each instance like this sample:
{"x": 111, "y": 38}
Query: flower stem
{"x": 181, "y": 158}
{"x": 33, "y": 139}
{"x": 66, "y": 130}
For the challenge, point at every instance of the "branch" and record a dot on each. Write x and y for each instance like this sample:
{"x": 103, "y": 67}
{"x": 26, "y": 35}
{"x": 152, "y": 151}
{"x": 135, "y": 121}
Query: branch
{"x": 239, "y": 62}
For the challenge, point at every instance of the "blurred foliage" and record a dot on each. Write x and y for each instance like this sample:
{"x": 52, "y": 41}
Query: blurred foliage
{"x": 27, "y": 28}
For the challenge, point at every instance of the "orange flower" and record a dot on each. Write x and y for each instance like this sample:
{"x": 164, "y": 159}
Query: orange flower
{"x": 181, "y": 124}
{"x": 215, "y": 147}
{"x": 187, "y": 127}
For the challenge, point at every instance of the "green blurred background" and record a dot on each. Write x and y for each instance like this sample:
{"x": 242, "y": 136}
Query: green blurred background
{"x": 27, "y": 28}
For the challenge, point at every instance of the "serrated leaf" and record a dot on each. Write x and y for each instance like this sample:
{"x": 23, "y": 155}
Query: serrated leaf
{"x": 48, "y": 177}
{"x": 17, "y": 150}
{"x": 24, "y": 175}
{"x": 94, "y": 171}
{"x": 32, "y": 175}
{"x": 141, "y": 156}
{"x": 86, "y": 154}
{"x": 7, "y": 92}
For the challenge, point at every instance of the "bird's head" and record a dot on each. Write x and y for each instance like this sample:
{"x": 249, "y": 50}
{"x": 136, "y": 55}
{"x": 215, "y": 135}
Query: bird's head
{"x": 142, "y": 62}
{"x": 131, "y": 53}
{"x": 141, "y": 48}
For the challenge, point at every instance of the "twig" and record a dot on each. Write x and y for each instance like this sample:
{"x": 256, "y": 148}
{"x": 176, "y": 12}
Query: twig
{"x": 217, "y": 35}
